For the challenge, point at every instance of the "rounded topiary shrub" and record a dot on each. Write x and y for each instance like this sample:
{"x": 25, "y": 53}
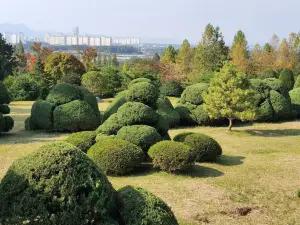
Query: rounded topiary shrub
{"x": 171, "y": 156}
{"x": 101, "y": 137}
{"x": 63, "y": 93}
{"x": 115, "y": 105}
{"x": 171, "y": 88}
{"x": 162, "y": 125}
{"x": 110, "y": 126}
{"x": 201, "y": 116}
{"x": 140, "y": 135}
{"x": 203, "y": 147}
{"x": 193, "y": 94}
{"x": 295, "y": 99}
{"x": 75, "y": 116}
{"x": 143, "y": 92}
{"x": 115, "y": 156}
{"x": 163, "y": 102}
{"x": 139, "y": 80}
{"x": 4, "y": 109}
{"x": 170, "y": 115}
{"x": 4, "y": 95}
{"x": 132, "y": 113}
{"x": 275, "y": 85}
{"x": 281, "y": 106}
{"x": 287, "y": 78}
{"x": 88, "y": 97}
{"x": 30, "y": 125}
{"x": 186, "y": 117}
{"x": 139, "y": 206}
{"x": 42, "y": 114}
{"x": 8, "y": 123}
{"x": 265, "y": 112}
{"x": 82, "y": 140}
{"x": 57, "y": 185}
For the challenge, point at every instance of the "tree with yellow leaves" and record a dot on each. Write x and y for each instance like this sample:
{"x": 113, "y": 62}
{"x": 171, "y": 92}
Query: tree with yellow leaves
{"x": 239, "y": 51}
{"x": 283, "y": 56}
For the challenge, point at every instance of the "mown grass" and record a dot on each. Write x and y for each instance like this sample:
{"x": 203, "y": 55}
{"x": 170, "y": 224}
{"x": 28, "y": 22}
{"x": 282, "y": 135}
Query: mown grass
{"x": 257, "y": 175}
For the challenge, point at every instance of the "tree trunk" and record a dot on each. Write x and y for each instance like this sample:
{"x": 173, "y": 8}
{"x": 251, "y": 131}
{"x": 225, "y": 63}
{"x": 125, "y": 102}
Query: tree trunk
{"x": 230, "y": 124}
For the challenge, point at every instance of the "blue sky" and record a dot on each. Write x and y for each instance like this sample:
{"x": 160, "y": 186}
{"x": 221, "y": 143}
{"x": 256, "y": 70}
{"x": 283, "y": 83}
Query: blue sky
{"x": 171, "y": 20}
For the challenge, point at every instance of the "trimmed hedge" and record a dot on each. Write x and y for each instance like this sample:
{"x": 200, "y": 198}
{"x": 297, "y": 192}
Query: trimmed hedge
{"x": 4, "y": 95}
{"x": 82, "y": 140}
{"x": 192, "y": 94}
{"x": 134, "y": 113}
{"x": 139, "y": 80}
{"x": 63, "y": 93}
{"x": 4, "y": 109}
{"x": 201, "y": 116}
{"x": 203, "y": 147}
{"x": 116, "y": 157}
{"x": 162, "y": 125}
{"x": 88, "y": 97}
{"x": 110, "y": 126}
{"x": 101, "y": 137}
{"x": 295, "y": 99}
{"x": 297, "y": 82}
{"x": 140, "y": 135}
{"x": 265, "y": 112}
{"x": 163, "y": 102}
{"x": 115, "y": 105}
{"x": 186, "y": 117}
{"x": 41, "y": 187}
{"x": 287, "y": 78}
{"x": 269, "y": 73}
{"x": 275, "y": 85}
{"x": 170, "y": 115}
{"x": 30, "y": 125}
{"x": 281, "y": 106}
{"x": 171, "y": 156}
{"x": 8, "y": 123}
{"x": 143, "y": 92}
{"x": 75, "y": 116}
{"x": 139, "y": 206}
{"x": 171, "y": 88}
{"x": 42, "y": 114}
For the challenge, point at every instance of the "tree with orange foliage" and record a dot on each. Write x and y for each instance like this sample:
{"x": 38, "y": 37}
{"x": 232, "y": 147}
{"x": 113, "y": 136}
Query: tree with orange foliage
{"x": 283, "y": 56}
{"x": 267, "y": 57}
{"x": 89, "y": 56}
{"x": 239, "y": 51}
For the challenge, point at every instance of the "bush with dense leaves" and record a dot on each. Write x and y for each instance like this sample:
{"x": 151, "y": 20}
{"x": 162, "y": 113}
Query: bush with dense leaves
{"x": 201, "y": 116}
{"x": 275, "y": 85}
{"x": 63, "y": 93}
{"x": 140, "y": 135}
{"x": 135, "y": 113}
{"x": 41, "y": 187}
{"x": 295, "y": 99}
{"x": 165, "y": 109}
{"x": 162, "y": 125}
{"x": 115, "y": 156}
{"x": 139, "y": 206}
{"x": 119, "y": 100}
{"x": 6, "y": 122}
{"x": 143, "y": 92}
{"x": 75, "y": 116}
{"x": 82, "y": 140}
{"x": 101, "y": 137}
{"x": 186, "y": 117}
{"x": 287, "y": 78}
{"x": 268, "y": 73}
{"x": 281, "y": 106}
{"x": 171, "y": 156}
{"x": 110, "y": 126}
{"x": 193, "y": 94}
{"x": 297, "y": 82}
{"x": 42, "y": 114}
{"x": 203, "y": 147}
{"x": 171, "y": 88}
{"x": 265, "y": 112}
{"x": 66, "y": 108}
{"x": 24, "y": 88}
{"x": 139, "y": 80}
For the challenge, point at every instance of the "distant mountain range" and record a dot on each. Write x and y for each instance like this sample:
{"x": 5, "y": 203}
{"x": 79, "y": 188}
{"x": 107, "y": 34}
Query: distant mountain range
{"x": 15, "y": 28}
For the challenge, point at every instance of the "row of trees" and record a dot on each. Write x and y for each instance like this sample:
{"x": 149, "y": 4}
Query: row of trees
{"x": 196, "y": 64}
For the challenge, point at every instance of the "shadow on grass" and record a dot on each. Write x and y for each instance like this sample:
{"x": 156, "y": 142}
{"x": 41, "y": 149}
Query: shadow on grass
{"x": 274, "y": 133}
{"x": 226, "y": 160}
{"x": 198, "y": 171}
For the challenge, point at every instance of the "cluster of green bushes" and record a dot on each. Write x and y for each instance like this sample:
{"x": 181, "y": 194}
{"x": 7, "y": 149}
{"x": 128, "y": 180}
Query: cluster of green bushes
{"x": 66, "y": 108}
{"x": 40, "y": 189}
{"x": 6, "y": 122}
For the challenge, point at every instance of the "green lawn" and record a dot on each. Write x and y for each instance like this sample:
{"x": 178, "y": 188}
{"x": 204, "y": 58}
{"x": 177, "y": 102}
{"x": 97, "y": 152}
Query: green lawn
{"x": 259, "y": 171}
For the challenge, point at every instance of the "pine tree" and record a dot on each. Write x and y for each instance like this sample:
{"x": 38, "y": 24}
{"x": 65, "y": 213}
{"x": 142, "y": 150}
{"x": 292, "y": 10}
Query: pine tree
{"x": 267, "y": 57}
{"x": 184, "y": 60}
{"x": 239, "y": 51}
{"x": 209, "y": 54}
{"x": 39, "y": 67}
{"x": 254, "y": 67}
{"x": 169, "y": 55}
{"x": 229, "y": 96}
{"x": 283, "y": 56}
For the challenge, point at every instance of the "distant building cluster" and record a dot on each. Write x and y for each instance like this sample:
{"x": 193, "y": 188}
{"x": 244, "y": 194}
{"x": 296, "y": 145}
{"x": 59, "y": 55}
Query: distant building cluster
{"x": 14, "y": 38}
{"x": 89, "y": 40}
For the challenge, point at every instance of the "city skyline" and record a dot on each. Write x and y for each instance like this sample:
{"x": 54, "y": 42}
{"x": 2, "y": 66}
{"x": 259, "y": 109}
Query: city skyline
{"x": 162, "y": 20}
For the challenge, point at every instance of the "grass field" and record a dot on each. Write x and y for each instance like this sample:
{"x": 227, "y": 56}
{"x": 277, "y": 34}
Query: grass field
{"x": 254, "y": 182}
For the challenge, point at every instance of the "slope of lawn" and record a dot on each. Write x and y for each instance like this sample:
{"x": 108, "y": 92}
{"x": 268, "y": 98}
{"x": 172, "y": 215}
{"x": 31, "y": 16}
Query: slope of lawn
{"x": 254, "y": 182}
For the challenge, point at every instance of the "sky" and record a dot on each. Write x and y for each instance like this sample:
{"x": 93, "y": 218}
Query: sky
{"x": 164, "y": 20}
